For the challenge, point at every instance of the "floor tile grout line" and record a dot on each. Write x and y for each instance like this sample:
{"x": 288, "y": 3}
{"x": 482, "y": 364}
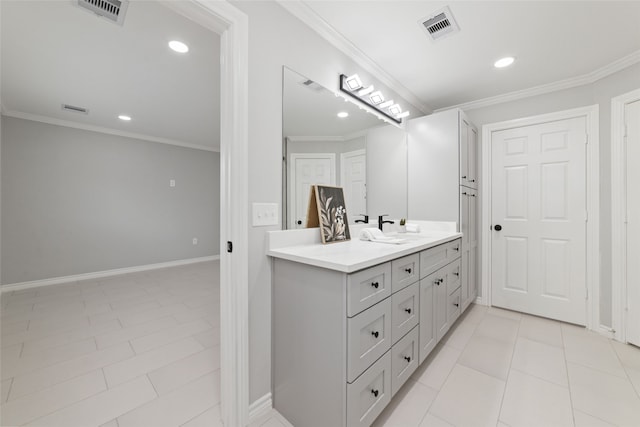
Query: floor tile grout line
{"x": 566, "y": 367}
{"x": 506, "y": 381}
{"x": 624, "y": 368}
{"x": 8, "y": 391}
{"x": 196, "y": 416}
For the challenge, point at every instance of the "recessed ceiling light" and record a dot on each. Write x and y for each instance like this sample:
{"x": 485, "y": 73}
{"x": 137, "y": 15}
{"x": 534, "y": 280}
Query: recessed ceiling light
{"x": 504, "y": 62}
{"x": 178, "y": 46}
{"x": 124, "y": 118}
{"x": 343, "y": 114}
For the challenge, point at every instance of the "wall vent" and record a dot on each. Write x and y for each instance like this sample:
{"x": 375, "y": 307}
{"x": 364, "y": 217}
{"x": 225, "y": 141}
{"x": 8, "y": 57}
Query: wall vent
{"x": 439, "y": 24}
{"x": 113, "y": 10}
{"x": 74, "y": 109}
{"x": 310, "y": 84}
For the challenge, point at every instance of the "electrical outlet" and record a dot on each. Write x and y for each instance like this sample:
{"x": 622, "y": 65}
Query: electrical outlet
{"x": 265, "y": 214}
{"x": 195, "y": 240}
{"x": 172, "y": 183}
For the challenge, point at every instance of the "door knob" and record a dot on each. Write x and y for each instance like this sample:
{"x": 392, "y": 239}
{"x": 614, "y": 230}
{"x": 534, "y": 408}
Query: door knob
{"x": 299, "y": 222}
{"x": 497, "y": 227}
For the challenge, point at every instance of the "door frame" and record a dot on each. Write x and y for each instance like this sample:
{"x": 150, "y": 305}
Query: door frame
{"x": 618, "y": 214}
{"x": 233, "y": 27}
{"x": 592, "y": 178}
{"x": 292, "y": 179}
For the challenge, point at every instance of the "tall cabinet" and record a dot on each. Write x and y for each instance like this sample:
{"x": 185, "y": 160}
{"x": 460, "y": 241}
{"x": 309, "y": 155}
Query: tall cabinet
{"x": 443, "y": 182}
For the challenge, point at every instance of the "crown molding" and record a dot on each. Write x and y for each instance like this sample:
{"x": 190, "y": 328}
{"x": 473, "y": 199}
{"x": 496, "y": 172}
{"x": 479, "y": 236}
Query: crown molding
{"x": 104, "y": 130}
{"x": 582, "y": 80}
{"x": 302, "y": 138}
{"x": 308, "y": 16}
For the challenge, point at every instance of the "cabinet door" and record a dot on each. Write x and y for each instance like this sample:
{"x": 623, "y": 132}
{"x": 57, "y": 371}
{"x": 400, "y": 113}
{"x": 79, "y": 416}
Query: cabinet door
{"x": 464, "y": 151}
{"x": 472, "y": 156}
{"x": 441, "y": 302}
{"x": 427, "y": 316}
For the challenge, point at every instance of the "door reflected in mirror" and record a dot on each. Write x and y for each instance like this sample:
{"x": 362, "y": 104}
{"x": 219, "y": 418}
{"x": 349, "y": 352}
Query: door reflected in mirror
{"x": 328, "y": 141}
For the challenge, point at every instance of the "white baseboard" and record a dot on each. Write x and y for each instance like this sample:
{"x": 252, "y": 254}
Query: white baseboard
{"x": 260, "y": 408}
{"x": 106, "y": 273}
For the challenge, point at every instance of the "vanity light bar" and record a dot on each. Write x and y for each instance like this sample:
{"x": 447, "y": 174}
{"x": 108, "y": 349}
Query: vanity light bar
{"x": 351, "y": 84}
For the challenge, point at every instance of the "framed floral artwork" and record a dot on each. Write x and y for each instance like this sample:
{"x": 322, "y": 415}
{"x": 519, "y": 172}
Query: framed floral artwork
{"x": 327, "y": 210}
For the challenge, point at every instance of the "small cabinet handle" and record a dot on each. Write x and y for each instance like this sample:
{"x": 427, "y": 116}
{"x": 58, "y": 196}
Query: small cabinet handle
{"x": 408, "y": 310}
{"x": 408, "y": 270}
{"x": 456, "y": 304}
{"x": 408, "y": 359}
{"x": 375, "y": 334}
{"x": 472, "y": 180}
{"x": 375, "y": 284}
{"x": 465, "y": 193}
{"x": 438, "y": 281}
{"x": 375, "y": 392}
{"x": 457, "y": 274}
{"x": 456, "y": 248}
{"x": 464, "y": 177}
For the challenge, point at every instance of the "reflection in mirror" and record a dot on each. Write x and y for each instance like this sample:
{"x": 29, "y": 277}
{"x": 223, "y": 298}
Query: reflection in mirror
{"x": 328, "y": 141}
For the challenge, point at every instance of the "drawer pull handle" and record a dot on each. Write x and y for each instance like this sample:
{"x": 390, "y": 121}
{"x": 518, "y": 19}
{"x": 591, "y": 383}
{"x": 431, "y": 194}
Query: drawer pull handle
{"x": 464, "y": 177}
{"x": 408, "y": 310}
{"x": 438, "y": 281}
{"x": 457, "y": 274}
{"x": 456, "y": 248}
{"x": 408, "y": 359}
{"x": 375, "y": 334}
{"x": 408, "y": 270}
{"x": 456, "y": 304}
{"x": 375, "y": 284}
{"x": 375, "y": 393}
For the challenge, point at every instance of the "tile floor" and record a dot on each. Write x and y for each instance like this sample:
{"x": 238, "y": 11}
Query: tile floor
{"x": 143, "y": 350}
{"x": 140, "y": 350}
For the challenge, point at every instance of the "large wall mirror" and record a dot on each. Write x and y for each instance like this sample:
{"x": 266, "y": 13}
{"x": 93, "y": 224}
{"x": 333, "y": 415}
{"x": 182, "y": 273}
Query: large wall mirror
{"x": 328, "y": 141}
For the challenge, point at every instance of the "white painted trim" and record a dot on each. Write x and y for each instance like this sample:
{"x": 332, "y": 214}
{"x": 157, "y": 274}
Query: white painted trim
{"x": 233, "y": 27}
{"x": 316, "y": 138}
{"x": 104, "y": 130}
{"x": 292, "y": 179}
{"x": 618, "y": 209}
{"x": 260, "y": 408}
{"x": 343, "y": 158}
{"x": 106, "y": 273}
{"x": 307, "y": 15}
{"x": 582, "y": 80}
{"x": 591, "y": 113}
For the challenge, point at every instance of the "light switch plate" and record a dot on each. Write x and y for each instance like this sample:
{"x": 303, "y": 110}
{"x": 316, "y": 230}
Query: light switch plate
{"x": 265, "y": 214}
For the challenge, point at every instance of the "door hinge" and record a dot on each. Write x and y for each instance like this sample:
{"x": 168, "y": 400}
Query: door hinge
{"x": 229, "y": 247}
{"x": 586, "y": 216}
{"x": 586, "y": 139}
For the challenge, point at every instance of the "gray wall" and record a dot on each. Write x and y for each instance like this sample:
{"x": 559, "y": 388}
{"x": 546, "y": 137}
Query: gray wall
{"x": 599, "y": 93}
{"x": 75, "y": 201}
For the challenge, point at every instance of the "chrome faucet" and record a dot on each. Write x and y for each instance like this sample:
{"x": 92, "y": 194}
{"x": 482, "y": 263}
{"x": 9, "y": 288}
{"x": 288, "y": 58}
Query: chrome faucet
{"x": 381, "y": 222}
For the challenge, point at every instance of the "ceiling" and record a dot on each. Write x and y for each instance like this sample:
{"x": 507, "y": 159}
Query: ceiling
{"x": 551, "y": 41}
{"x": 54, "y": 53}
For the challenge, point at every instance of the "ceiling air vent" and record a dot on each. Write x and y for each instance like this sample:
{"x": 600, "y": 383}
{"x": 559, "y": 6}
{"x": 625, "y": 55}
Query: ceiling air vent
{"x": 74, "y": 109}
{"x": 439, "y": 24}
{"x": 310, "y": 84}
{"x": 113, "y": 10}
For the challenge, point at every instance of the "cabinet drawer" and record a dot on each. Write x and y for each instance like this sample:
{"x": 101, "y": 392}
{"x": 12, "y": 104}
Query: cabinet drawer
{"x": 405, "y": 311}
{"x": 368, "y": 287}
{"x": 454, "y": 249}
{"x": 453, "y": 276}
{"x": 368, "y": 396}
{"x": 368, "y": 338}
{"x": 453, "y": 308}
{"x": 404, "y": 271}
{"x": 432, "y": 259}
{"x": 404, "y": 360}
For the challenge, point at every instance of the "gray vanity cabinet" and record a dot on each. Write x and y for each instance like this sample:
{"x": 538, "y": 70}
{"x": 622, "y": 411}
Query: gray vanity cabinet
{"x": 344, "y": 344}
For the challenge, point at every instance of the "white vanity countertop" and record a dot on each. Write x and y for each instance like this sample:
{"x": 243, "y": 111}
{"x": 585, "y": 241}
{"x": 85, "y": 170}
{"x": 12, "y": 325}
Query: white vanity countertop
{"x": 355, "y": 254}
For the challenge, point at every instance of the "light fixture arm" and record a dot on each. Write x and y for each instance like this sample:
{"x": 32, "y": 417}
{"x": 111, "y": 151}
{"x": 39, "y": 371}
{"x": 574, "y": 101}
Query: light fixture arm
{"x": 346, "y": 90}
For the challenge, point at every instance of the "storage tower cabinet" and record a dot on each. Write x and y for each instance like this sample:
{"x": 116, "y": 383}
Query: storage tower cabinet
{"x": 345, "y": 343}
{"x": 443, "y": 182}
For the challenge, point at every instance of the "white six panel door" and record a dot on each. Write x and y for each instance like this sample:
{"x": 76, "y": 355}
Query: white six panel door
{"x": 632, "y": 119}
{"x": 353, "y": 178}
{"x": 308, "y": 170}
{"x": 539, "y": 199}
